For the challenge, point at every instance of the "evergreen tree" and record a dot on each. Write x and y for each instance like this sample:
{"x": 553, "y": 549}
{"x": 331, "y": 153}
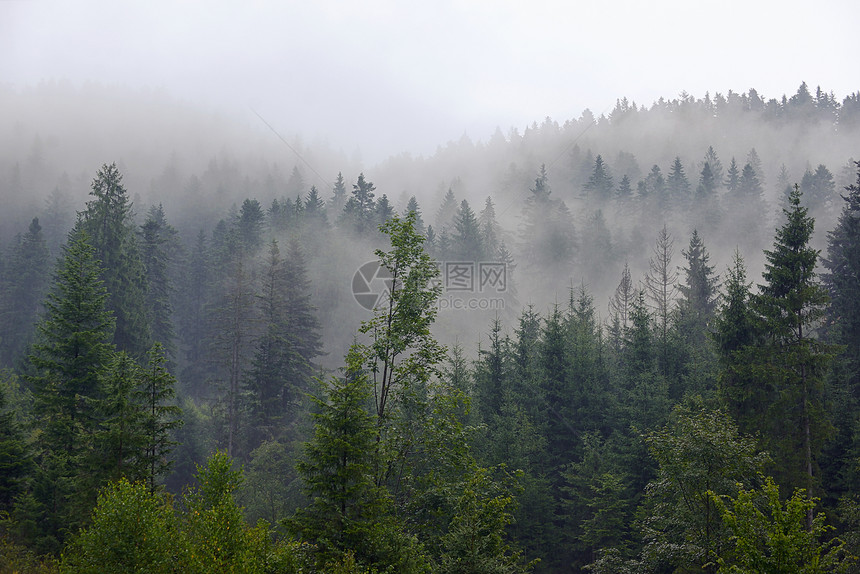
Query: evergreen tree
{"x": 548, "y": 227}
{"x": 119, "y": 438}
{"x": 109, "y": 223}
{"x": 842, "y": 280}
{"x": 466, "y": 241}
{"x": 72, "y": 349}
{"x": 271, "y": 380}
{"x": 698, "y": 302}
{"x": 296, "y": 182}
{"x": 300, "y": 313}
{"x": 315, "y": 210}
{"x": 749, "y": 187}
{"x": 383, "y": 210}
{"x": 22, "y": 289}
{"x": 715, "y": 164}
{"x": 732, "y": 181}
{"x": 15, "y": 461}
{"x": 707, "y": 183}
{"x": 359, "y": 211}
{"x": 625, "y": 191}
{"x": 677, "y": 183}
{"x": 661, "y": 287}
{"x": 249, "y": 227}
{"x": 491, "y": 233}
{"x": 599, "y": 185}
{"x": 411, "y": 206}
{"x": 446, "y": 213}
{"x": 192, "y": 316}
{"x": 349, "y": 512}
{"x": 339, "y": 197}
{"x": 154, "y": 236}
{"x": 161, "y": 417}
{"x": 622, "y": 299}
{"x": 791, "y": 303}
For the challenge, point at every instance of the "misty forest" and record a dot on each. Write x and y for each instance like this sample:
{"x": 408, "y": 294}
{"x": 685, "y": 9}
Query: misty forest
{"x": 625, "y": 343}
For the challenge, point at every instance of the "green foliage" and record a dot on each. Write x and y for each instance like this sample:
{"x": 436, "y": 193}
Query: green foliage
{"x": 157, "y": 238}
{"x": 72, "y": 350}
{"x": 774, "y": 537}
{"x": 700, "y": 453}
{"x": 219, "y": 538}
{"x": 791, "y": 303}
{"x": 476, "y": 542}
{"x": 15, "y": 460}
{"x": 348, "y": 512}
{"x": 132, "y": 530}
{"x": 22, "y": 288}
{"x": 109, "y": 222}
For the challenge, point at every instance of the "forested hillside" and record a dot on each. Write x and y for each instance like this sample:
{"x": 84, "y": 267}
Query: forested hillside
{"x": 623, "y": 343}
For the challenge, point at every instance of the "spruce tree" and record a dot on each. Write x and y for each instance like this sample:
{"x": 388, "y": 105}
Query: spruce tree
{"x": 791, "y": 304}
{"x": 72, "y": 349}
{"x": 25, "y": 279}
{"x": 155, "y": 235}
{"x": 698, "y": 301}
{"x": 109, "y": 222}
{"x": 466, "y": 241}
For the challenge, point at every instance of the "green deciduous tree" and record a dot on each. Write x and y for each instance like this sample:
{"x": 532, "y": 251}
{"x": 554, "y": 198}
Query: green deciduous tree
{"x": 132, "y": 530}
{"x": 769, "y": 535}
{"x": 700, "y": 453}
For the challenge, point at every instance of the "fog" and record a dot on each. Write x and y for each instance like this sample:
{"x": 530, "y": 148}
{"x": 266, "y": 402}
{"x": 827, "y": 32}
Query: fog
{"x": 381, "y": 78}
{"x": 204, "y": 106}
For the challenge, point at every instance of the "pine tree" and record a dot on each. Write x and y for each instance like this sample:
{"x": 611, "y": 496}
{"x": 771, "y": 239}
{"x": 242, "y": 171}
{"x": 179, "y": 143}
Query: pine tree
{"x": 15, "y": 460}
{"x": 359, "y": 210}
{"x": 411, "y": 206}
{"x": 732, "y": 181}
{"x": 625, "y": 191}
{"x": 707, "y": 183}
{"x": 677, "y": 183}
{"x": 466, "y": 241}
{"x": 154, "y": 236}
{"x": 490, "y": 230}
{"x": 715, "y": 164}
{"x": 109, "y": 223}
{"x": 155, "y": 394}
{"x": 599, "y": 185}
{"x": 22, "y": 289}
{"x": 249, "y": 227}
{"x": 338, "y": 199}
{"x": 315, "y": 211}
{"x": 843, "y": 280}
{"x": 661, "y": 287}
{"x": 548, "y": 227}
{"x": 447, "y": 211}
{"x": 791, "y": 303}
{"x": 622, "y": 299}
{"x": 383, "y": 210}
{"x": 72, "y": 349}
{"x": 348, "y": 511}
{"x": 271, "y": 380}
{"x": 698, "y": 301}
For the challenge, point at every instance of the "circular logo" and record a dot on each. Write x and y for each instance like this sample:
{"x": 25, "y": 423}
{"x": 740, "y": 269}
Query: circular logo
{"x": 370, "y": 284}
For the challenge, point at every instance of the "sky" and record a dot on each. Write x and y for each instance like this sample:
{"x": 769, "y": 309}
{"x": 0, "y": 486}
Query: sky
{"x": 391, "y": 76}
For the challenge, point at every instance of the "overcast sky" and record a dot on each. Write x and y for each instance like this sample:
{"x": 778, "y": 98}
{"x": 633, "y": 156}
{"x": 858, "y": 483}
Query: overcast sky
{"x": 391, "y": 76}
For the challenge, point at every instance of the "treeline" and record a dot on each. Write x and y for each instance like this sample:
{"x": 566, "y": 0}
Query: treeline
{"x": 666, "y": 431}
{"x": 705, "y": 425}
